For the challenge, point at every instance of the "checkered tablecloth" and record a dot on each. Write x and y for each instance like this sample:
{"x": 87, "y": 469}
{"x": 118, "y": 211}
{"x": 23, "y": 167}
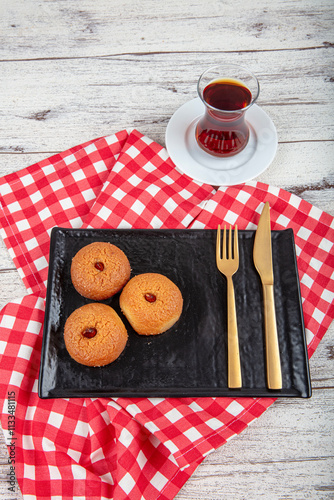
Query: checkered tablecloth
{"x": 119, "y": 448}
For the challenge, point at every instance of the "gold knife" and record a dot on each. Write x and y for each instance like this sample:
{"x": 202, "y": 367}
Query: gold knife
{"x": 262, "y": 256}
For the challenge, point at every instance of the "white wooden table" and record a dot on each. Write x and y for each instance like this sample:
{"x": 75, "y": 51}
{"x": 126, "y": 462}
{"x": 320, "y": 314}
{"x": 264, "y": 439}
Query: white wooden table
{"x": 72, "y": 71}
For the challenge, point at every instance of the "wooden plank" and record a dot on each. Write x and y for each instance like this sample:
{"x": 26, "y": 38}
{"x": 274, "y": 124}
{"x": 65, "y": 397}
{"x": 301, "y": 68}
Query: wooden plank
{"x": 72, "y": 29}
{"x": 101, "y": 96}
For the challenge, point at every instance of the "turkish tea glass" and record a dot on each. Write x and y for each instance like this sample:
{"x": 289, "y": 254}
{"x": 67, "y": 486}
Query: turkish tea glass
{"x": 227, "y": 91}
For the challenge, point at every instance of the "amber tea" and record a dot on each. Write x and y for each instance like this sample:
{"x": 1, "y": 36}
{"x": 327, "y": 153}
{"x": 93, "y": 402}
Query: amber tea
{"x": 223, "y": 131}
{"x": 227, "y": 95}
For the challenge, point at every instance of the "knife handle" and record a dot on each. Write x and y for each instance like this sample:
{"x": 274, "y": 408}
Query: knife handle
{"x": 234, "y": 368}
{"x": 274, "y": 373}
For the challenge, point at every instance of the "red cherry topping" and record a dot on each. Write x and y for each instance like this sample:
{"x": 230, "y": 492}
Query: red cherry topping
{"x": 89, "y": 333}
{"x": 150, "y": 297}
{"x": 99, "y": 266}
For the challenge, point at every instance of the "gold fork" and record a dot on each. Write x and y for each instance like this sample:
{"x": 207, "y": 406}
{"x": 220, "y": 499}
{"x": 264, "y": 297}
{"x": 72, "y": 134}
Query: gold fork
{"x": 228, "y": 265}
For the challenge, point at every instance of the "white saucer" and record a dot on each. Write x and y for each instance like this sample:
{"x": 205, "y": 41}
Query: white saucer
{"x": 190, "y": 159}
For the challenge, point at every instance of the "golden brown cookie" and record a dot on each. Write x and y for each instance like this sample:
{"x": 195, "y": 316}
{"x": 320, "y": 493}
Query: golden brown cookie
{"x": 99, "y": 270}
{"x": 151, "y": 302}
{"x": 95, "y": 335}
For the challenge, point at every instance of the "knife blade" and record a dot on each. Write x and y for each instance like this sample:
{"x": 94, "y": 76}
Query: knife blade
{"x": 262, "y": 257}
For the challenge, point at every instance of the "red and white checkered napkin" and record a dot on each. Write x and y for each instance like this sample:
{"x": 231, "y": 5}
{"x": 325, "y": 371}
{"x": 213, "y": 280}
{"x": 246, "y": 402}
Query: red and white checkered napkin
{"x": 127, "y": 448}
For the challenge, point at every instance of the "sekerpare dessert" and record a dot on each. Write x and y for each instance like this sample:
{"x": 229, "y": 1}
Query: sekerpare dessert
{"x": 95, "y": 335}
{"x": 99, "y": 270}
{"x": 152, "y": 303}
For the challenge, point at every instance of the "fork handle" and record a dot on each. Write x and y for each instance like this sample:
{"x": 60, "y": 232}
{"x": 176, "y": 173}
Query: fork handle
{"x": 234, "y": 368}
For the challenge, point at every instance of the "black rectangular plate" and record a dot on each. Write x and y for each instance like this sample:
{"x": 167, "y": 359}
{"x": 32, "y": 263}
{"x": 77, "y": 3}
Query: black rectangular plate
{"x": 190, "y": 359}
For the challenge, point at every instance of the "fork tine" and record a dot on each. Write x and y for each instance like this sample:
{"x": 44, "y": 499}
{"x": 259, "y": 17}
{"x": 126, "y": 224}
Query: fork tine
{"x": 218, "y": 245}
{"x": 230, "y": 243}
{"x": 236, "y": 244}
{"x": 224, "y": 243}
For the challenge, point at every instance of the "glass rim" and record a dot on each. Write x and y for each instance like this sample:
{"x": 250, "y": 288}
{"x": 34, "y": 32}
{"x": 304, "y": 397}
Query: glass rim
{"x": 229, "y": 65}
